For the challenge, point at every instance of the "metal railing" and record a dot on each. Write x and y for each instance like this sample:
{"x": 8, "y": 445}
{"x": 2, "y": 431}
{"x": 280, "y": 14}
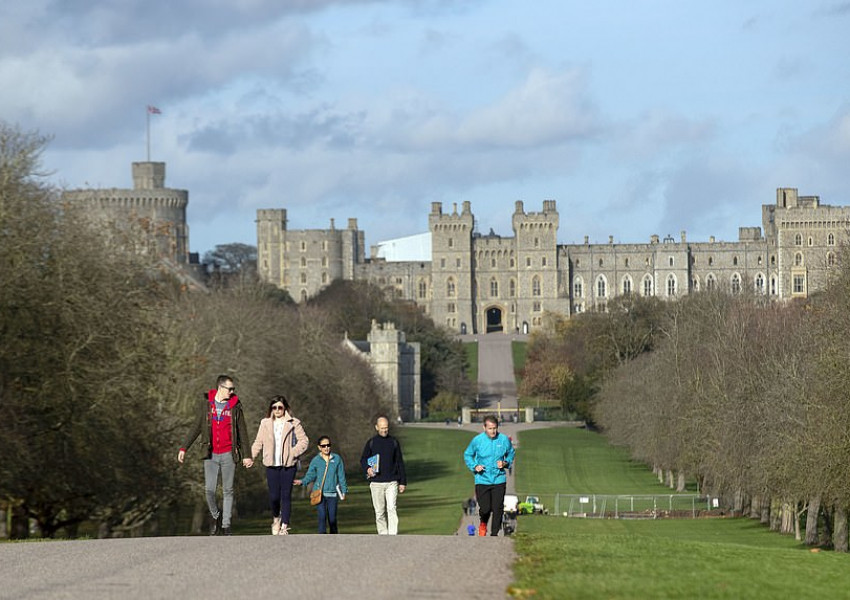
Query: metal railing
{"x": 624, "y": 506}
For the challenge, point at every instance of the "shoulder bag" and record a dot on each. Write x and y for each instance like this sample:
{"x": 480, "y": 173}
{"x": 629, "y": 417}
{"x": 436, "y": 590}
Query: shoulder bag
{"x": 316, "y": 494}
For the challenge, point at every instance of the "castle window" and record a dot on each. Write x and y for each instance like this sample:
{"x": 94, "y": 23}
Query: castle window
{"x": 759, "y": 261}
{"x": 452, "y": 307}
{"x": 830, "y": 259}
{"x": 647, "y": 285}
{"x": 442, "y": 263}
{"x": 536, "y": 306}
{"x": 798, "y": 239}
{"x": 760, "y": 284}
{"x": 457, "y": 263}
{"x": 601, "y": 288}
{"x": 527, "y": 261}
{"x": 451, "y": 243}
{"x": 324, "y": 244}
{"x": 450, "y": 288}
{"x": 671, "y": 285}
{"x": 627, "y": 285}
{"x": 799, "y": 285}
{"x": 513, "y": 262}
{"x": 303, "y": 277}
{"x": 670, "y": 261}
{"x": 710, "y": 261}
{"x": 578, "y": 262}
{"x": 798, "y": 259}
{"x": 773, "y": 260}
{"x": 543, "y": 261}
{"x": 494, "y": 288}
{"x": 830, "y": 239}
{"x": 324, "y": 277}
{"x": 627, "y": 263}
{"x": 535, "y": 286}
{"x": 303, "y": 295}
{"x": 577, "y": 288}
{"x": 536, "y": 242}
{"x": 324, "y": 261}
{"x": 512, "y": 288}
{"x": 303, "y": 262}
{"x": 734, "y": 261}
{"x": 423, "y": 289}
{"x": 303, "y": 246}
{"x": 736, "y": 283}
{"x": 493, "y": 262}
{"x": 709, "y": 282}
{"x": 399, "y": 280}
{"x": 811, "y": 241}
{"x": 695, "y": 283}
{"x": 600, "y": 263}
{"x": 773, "y": 285}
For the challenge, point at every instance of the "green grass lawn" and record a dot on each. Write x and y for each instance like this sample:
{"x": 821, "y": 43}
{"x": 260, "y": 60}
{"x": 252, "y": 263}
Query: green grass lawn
{"x": 437, "y": 484}
{"x": 472, "y": 360}
{"x": 577, "y": 461}
{"x": 518, "y": 351}
{"x": 562, "y": 557}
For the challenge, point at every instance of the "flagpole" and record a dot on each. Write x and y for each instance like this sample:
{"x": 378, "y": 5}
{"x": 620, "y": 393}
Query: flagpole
{"x": 148, "y": 114}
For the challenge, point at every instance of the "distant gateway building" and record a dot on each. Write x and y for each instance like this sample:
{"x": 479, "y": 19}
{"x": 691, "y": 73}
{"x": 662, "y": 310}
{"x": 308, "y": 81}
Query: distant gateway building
{"x": 477, "y": 283}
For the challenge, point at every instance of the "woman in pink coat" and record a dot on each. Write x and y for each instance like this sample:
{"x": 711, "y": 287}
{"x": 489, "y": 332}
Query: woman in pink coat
{"x": 282, "y": 440}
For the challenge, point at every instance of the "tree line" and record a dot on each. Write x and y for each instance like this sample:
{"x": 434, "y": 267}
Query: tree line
{"x": 748, "y": 398}
{"x": 105, "y": 355}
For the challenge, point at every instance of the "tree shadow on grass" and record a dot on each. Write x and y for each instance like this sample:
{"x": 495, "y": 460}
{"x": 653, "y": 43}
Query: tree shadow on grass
{"x": 423, "y": 469}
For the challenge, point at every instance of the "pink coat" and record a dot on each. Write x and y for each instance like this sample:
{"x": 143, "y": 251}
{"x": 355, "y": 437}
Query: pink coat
{"x": 265, "y": 441}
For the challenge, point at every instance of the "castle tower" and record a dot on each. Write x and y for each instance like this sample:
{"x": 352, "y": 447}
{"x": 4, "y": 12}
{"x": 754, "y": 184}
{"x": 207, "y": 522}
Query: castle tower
{"x": 396, "y": 363}
{"x": 537, "y": 271}
{"x": 452, "y": 277}
{"x": 157, "y": 212}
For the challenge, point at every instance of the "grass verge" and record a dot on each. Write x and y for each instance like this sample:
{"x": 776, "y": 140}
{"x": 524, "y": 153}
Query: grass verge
{"x": 561, "y": 557}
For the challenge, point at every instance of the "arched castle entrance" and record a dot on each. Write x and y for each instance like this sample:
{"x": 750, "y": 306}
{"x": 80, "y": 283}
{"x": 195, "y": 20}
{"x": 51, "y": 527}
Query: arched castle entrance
{"x": 495, "y": 319}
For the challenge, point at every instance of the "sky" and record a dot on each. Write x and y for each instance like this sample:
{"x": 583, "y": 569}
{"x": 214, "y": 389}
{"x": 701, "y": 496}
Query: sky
{"x": 637, "y": 117}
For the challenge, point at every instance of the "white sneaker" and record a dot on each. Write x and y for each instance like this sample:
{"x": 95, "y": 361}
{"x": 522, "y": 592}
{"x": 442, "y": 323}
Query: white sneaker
{"x": 276, "y": 526}
{"x": 284, "y": 529}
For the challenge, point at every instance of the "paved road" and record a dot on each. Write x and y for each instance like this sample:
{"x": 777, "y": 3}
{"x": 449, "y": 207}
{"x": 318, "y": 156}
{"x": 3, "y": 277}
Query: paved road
{"x": 296, "y": 566}
{"x": 496, "y": 383}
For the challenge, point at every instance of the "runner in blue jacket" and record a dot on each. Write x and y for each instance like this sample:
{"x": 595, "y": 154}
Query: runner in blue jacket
{"x": 488, "y": 456}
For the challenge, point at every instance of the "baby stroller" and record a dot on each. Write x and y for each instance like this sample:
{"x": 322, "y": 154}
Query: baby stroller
{"x": 511, "y": 507}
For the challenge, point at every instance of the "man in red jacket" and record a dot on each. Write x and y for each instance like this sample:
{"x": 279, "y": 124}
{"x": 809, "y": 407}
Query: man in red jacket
{"x": 221, "y": 425}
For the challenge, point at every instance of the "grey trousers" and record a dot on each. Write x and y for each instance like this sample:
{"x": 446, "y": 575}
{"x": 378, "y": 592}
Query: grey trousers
{"x": 212, "y": 466}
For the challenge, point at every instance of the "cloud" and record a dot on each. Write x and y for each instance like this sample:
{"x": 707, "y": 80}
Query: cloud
{"x": 548, "y": 108}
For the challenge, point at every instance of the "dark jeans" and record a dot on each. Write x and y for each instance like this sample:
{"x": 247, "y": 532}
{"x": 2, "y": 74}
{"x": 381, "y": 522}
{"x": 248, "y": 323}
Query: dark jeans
{"x": 280, "y": 491}
{"x": 491, "y": 499}
{"x": 326, "y": 510}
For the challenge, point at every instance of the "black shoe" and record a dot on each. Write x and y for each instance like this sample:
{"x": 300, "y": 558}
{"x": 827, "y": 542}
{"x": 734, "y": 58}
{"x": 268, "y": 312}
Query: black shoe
{"x": 226, "y": 531}
{"x": 214, "y": 526}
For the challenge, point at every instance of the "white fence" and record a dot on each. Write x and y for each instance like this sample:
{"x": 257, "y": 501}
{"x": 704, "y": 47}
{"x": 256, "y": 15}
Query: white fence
{"x": 625, "y": 506}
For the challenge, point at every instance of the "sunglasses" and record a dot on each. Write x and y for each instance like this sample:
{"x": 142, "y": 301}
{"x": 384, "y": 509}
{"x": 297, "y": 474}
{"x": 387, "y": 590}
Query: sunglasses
{"x": 278, "y": 407}
{"x": 324, "y": 445}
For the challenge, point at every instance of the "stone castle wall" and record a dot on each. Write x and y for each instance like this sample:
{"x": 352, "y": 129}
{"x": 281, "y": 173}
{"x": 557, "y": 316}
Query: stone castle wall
{"x": 478, "y": 283}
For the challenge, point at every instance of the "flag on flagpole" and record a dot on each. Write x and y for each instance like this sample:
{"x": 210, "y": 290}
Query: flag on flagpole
{"x": 154, "y": 110}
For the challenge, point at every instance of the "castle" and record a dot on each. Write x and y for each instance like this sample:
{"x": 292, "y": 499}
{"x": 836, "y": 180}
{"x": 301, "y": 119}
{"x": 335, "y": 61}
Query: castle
{"x": 476, "y": 283}
{"x": 396, "y": 362}
{"x": 159, "y": 212}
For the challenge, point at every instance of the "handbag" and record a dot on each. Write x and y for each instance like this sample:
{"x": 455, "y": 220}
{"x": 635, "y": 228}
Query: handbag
{"x": 316, "y": 495}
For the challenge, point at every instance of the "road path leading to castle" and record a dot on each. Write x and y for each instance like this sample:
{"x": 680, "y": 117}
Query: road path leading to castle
{"x": 496, "y": 382}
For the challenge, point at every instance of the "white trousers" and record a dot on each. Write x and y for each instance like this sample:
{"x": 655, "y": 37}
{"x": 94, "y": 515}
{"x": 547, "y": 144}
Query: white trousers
{"x": 384, "y": 497}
